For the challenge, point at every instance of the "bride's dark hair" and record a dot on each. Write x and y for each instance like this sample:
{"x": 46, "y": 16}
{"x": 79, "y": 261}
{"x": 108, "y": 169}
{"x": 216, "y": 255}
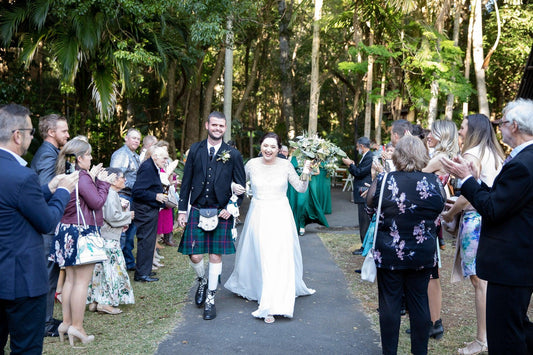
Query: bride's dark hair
{"x": 271, "y": 135}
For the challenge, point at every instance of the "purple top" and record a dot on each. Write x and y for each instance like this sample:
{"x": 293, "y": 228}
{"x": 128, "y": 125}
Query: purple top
{"x": 92, "y": 198}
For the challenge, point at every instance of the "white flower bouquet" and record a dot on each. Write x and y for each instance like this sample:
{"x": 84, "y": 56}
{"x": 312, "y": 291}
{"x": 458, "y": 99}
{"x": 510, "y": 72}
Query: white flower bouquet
{"x": 319, "y": 151}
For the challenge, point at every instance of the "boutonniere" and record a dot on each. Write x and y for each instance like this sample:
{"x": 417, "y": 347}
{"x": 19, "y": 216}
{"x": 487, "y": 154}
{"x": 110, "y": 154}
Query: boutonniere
{"x": 224, "y": 156}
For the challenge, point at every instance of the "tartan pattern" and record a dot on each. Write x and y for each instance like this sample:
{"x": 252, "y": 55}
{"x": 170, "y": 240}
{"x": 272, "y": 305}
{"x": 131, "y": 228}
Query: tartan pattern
{"x": 197, "y": 241}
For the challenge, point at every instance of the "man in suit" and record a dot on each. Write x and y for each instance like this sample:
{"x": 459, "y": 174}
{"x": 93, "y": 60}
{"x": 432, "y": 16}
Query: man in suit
{"x": 25, "y": 214}
{"x": 148, "y": 198}
{"x": 211, "y": 167}
{"x": 362, "y": 179}
{"x": 54, "y": 131}
{"x": 128, "y": 161}
{"x": 504, "y": 255}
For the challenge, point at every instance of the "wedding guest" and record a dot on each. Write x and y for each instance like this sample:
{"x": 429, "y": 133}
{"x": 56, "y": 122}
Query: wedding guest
{"x": 110, "y": 285}
{"x": 148, "y": 198}
{"x": 505, "y": 244}
{"x": 54, "y": 131}
{"x": 83, "y": 214}
{"x": 361, "y": 177}
{"x": 482, "y": 149}
{"x": 148, "y": 141}
{"x": 27, "y": 210}
{"x": 129, "y": 161}
{"x": 268, "y": 266}
{"x": 405, "y": 248}
{"x": 442, "y": 139}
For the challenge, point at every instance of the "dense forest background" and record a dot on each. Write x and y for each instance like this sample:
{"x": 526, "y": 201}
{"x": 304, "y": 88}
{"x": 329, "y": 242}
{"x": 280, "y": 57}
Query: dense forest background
{"x": 341, "y": 68}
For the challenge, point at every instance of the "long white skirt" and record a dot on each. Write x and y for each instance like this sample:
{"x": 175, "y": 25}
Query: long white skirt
{"x": 268, "y": 264}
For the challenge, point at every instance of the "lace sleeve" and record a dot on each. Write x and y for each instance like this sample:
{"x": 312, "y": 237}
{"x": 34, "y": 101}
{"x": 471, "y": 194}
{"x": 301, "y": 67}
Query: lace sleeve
{"x": 294, "y": 179}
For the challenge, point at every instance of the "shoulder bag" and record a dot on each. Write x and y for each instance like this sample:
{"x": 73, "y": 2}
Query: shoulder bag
{"x": 369, "y": 270}
{"x": 90, "y": 245}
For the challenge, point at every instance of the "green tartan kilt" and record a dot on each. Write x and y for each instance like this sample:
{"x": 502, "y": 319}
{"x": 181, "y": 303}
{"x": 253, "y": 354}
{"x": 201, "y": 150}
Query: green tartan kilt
{"x": 197, "y": 241}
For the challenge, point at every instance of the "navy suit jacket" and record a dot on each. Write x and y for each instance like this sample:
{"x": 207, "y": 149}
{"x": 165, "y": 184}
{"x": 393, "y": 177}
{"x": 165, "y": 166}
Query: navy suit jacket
{"x": 195, "y": 172}
{"x": 505, "y": 251}
{"x": 362, "y": 174}
{"x": 24, "y": 215}
{"x": 44, "y": 162}
{"x": 147, "y": 185}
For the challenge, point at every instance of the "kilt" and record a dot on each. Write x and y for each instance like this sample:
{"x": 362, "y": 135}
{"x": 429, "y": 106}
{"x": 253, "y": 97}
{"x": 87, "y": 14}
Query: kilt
{"x": 197, "y": 241}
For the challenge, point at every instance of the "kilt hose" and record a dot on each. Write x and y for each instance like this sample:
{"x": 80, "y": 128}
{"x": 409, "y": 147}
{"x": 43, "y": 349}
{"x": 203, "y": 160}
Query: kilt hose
{"x": 197, "y": 241}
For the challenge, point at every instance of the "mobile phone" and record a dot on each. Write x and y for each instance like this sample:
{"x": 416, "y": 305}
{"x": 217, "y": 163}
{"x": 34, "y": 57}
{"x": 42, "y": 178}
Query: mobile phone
{"x": 70, "y": 163}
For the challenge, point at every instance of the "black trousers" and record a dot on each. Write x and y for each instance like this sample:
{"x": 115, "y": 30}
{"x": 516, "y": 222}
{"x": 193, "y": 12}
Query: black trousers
{"x": 146, "y": 218}
{"x": 364, "y": 220}
{"x": 392, "y": 284}
{"x": 509, "y": 330}
{"x": 23, "y": 319}
{"x": 53, "y": 274}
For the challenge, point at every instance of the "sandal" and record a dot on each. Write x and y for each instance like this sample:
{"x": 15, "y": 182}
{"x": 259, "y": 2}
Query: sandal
{"x": 270, "y": 319}
{"x": 108, "y": 309}
{"x": 58, "y": 298}
{"x": 474, "y": 347}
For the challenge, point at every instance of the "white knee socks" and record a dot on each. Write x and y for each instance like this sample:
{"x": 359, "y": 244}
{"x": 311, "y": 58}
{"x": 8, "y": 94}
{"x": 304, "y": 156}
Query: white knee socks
{"x": 198, "y": 268}
{"x": 214, "y": 271}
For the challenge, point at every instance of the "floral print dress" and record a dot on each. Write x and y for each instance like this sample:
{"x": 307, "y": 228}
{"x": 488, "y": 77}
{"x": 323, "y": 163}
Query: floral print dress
{"x": 407, "y": 230}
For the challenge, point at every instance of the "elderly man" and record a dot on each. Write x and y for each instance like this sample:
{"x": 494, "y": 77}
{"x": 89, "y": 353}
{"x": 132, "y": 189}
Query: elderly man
{"x": 506, "y": 242}
{"x": 128, "y": 161}
{"x": 54, "y": 131}
{"x": 362, "y": 178}
{"x": 25, "y": 214}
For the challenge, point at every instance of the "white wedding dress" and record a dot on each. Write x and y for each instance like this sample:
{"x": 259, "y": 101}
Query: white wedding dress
{"x": 268, "y": 263}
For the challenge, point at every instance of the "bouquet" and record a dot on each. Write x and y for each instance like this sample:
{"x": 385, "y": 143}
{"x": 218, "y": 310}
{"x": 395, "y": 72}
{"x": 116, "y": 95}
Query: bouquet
{"x": 320, "y": 151}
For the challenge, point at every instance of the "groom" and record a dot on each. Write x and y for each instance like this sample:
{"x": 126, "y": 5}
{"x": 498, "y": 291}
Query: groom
{"x": 211, "y": 167}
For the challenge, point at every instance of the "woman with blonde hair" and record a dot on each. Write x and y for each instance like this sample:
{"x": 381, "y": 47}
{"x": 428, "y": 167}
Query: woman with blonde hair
{"x": 89, "y": 197}
{"x": 481, "y": 148}
{"x": 443, "y": 139}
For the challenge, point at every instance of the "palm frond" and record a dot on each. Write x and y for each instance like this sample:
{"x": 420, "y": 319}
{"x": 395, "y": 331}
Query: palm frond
{"x": 104, "y": 91}
{"x": 67, "y": 54}
{"x": 10, "y": 21}
{"x": 39, "y": 12}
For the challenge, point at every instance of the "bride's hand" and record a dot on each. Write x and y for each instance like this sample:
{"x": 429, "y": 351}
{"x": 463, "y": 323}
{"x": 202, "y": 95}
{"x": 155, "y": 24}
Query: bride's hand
{"x": 307, "y": 167}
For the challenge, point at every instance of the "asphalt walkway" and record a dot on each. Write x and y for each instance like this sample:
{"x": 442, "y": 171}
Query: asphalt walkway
{"x": 330, "y": 321}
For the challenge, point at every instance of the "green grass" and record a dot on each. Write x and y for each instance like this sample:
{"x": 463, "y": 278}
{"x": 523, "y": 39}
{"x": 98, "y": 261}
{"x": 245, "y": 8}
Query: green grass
{"x": 143, "y": 325}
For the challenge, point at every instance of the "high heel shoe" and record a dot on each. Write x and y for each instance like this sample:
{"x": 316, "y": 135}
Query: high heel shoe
{"x": 75, "y": 333}
{"x": 57, "y": 297}
{"x": 62, "y": 329}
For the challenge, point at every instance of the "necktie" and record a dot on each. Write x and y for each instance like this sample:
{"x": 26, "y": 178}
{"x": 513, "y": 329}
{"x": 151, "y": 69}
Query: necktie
{"x": 211, "y": 153}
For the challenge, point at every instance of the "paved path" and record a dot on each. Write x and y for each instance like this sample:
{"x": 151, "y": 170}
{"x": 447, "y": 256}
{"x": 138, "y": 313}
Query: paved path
{"x": 330, "y": 321}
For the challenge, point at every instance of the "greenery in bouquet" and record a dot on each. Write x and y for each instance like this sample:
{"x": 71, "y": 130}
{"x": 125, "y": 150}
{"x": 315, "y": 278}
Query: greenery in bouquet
{"x": 321, "y": 151}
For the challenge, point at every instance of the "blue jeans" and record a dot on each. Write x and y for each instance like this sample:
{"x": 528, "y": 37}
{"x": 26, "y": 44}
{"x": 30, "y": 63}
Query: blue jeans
{"x": 127, "y": 240}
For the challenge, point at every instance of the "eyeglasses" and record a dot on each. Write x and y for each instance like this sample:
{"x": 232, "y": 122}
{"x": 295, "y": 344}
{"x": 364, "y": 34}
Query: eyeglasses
{"x": 32, "y": 130}
{"x": 502, "y": 123}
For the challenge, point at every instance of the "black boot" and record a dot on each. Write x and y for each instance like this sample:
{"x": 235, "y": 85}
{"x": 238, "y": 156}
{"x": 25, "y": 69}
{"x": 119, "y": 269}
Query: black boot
{"x": 201, "y": 292}
{"x": 210, "y": 311}
{"x": 436, "y": 331}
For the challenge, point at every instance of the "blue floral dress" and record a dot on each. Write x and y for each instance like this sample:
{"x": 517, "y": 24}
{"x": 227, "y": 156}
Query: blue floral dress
{"x": 407, "y": 230}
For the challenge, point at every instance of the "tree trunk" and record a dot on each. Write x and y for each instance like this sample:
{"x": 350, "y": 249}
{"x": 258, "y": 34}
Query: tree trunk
{"x": 450, "y": 99}
{"x": 468, "y": 55}
{"x": 369, "y": 79}
{"x": 171, "y": 108}
{"x": 477, "y": 49}
{"x": 315, "y": 86}
{"x": 378, "y": 114}
{"x": 287, "y": 108}
{"x": 192, "y": 124}
{"x": 357, "y": 38}
{"x": 252, "y": 79}
{"x": 228, "y": 79}
{"x": 210, "y": 87}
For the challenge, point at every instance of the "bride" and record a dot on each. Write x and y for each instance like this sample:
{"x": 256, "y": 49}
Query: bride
{"x": 268, "y": 264}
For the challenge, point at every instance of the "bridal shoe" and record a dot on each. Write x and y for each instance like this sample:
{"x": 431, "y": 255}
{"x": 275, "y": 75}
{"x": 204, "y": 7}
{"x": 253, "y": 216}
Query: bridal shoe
{"x": 74, "y": 333}
{"x": 62, "y": 329}
{"x": 270, "y": 319}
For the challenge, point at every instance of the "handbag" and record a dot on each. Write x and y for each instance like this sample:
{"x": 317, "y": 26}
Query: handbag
{"x": 208, "y": 219}
{"x": 369, "y": 270}
{"x": 90, "y": 243}
{"x": 172, "y": 198}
